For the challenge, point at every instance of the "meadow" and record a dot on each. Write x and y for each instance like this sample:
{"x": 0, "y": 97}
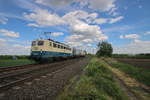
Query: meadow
{"x": 11, "y": 61}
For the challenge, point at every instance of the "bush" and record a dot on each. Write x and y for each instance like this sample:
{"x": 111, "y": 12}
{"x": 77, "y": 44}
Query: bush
{"x": 105, "y": 49}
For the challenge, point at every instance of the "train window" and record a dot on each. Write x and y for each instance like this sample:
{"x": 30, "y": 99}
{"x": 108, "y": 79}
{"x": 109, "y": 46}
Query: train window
{"x": 62, "y": 47}
{"x": 55, "y": 45}
{"x": 40, "y": 43}
{"x": 58, "y": 46}
{"x": 50, "y": 44}
{"x": 34, "y": 43}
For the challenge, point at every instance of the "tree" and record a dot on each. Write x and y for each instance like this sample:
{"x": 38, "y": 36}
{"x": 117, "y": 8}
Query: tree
{"x": 104, "y": 49}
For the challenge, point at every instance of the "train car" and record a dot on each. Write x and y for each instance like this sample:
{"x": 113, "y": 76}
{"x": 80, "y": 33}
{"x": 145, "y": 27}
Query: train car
{"x": 47, "y": 48}
{"x": 78, "y": 52}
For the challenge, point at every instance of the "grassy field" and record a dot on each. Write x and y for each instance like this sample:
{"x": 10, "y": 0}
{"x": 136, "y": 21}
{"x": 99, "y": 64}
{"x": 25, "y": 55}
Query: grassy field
{"x": 140, "y": 74}
{"x": 18, "y": 62}
{"x": 97, "y": 83}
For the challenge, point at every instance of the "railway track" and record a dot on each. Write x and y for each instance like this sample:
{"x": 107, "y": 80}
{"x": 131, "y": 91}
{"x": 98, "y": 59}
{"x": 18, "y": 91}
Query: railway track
{"x": 20, "y": 75}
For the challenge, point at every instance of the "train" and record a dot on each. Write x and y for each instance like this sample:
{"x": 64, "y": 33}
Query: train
{"x": 46, "y": 49}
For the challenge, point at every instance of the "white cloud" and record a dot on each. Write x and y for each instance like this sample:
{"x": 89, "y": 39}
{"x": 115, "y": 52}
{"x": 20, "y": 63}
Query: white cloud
{"x": 102, "y": 5}
{"x": 129, "y": 36}
{"x": 135, "y": 47}
{"x": 120, "y": 28}
{"x": 3, "y": 20}
{"x": 33, "y": 25}
{"x": 56, "y": 34}
{"x": 147, "y": 33}
{"x": 2, "y": 42}
{"x": 113, "y": 12}
{"x": 9, "y": 33}
{"x": 101, "y": 20}
{"x": 43, "y": 17}
{"x": 15, "y": 49}
{"x": 87, "y": 40}
{"x": 113, "y": 20}
{"x": 55, "y": 3}
{"x": 79, "y": 16}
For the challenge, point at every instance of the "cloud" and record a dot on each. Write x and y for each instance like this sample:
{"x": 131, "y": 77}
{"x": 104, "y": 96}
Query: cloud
{"x": 55, "y": 3}
{"x": 79, "y": 16}
{"x": 129, "y": 36}
{"x": 26, "y": 4}
{"x": 102, "y": 5}
{"x": 135, "y": 47}
{"x": 120, "y": 28}
{"x": 113, "y": 12}
{"x": 83, "y": 34}
{"x": 147, "y": 33}
{"x": 101, "y": 20}
{"x": 113, "y": 20}
{"x": 15, "y": 49}
{"x": 8, "y": 33}
{"x": 3, "y": 20}
{"x": 43, "y": 17}
{"x": 56, "y": 34}
{"x": 2, "y": 42}
{"x": 108, "y": 20}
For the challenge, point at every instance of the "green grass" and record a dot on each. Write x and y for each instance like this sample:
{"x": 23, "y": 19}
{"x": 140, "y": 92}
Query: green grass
{"x": 97, "y": 83}
{"x": 140, "y": 74}
{"x": 18, "y": 62}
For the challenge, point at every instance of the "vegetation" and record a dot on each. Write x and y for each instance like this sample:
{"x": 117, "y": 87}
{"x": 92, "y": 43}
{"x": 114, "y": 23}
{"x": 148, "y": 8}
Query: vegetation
{"x": 10, "y": 61}
{"x": 97, "y": 83}
{"x": 13, "y": 56}
{"x": 105, "y": 49}
{"x": 137, "y": 56}
{"x": 140, "y": 74}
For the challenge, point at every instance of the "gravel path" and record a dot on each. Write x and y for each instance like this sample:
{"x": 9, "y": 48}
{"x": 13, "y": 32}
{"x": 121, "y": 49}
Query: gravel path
{"x": 45, "y": 87}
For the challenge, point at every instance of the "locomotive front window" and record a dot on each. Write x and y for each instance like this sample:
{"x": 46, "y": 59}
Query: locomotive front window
{"x": 50, "y": 44}
{"x": 34, "y": 43}
{"x": 41, "y": 43}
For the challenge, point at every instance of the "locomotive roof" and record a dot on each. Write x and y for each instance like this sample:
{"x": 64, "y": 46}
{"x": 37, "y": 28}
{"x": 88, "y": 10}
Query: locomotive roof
{"x": 56, "y": 42}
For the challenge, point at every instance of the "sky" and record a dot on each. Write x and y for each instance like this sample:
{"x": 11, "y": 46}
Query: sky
{"x": 79, "y": 23}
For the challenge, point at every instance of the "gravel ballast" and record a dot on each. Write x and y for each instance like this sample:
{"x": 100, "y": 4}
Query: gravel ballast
{"x": 47, "y": 86}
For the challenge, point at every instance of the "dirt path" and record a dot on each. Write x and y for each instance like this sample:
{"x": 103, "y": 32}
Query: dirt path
{"x": 45, "y": 87}
{"x": 133, "y": 88}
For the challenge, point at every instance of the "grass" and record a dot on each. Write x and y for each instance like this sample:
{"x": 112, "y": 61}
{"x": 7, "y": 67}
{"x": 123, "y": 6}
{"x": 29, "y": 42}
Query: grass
{"x": 97, "y": 83}
{"x": 139, "y": 74}
{"x": 18, "y": 62}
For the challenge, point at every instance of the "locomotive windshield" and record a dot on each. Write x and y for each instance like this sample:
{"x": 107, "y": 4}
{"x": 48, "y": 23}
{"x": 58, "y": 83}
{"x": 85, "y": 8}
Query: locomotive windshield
{"x": 33, "y": 43}
{"x": 40, "y": 43}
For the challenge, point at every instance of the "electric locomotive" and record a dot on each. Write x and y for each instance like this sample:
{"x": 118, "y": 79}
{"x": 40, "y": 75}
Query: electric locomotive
{"x": 46, "y": 48}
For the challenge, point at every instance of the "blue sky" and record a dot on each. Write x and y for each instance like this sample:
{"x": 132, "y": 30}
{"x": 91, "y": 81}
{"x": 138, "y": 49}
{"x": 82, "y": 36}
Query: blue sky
{"x": 79, "y": 23}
